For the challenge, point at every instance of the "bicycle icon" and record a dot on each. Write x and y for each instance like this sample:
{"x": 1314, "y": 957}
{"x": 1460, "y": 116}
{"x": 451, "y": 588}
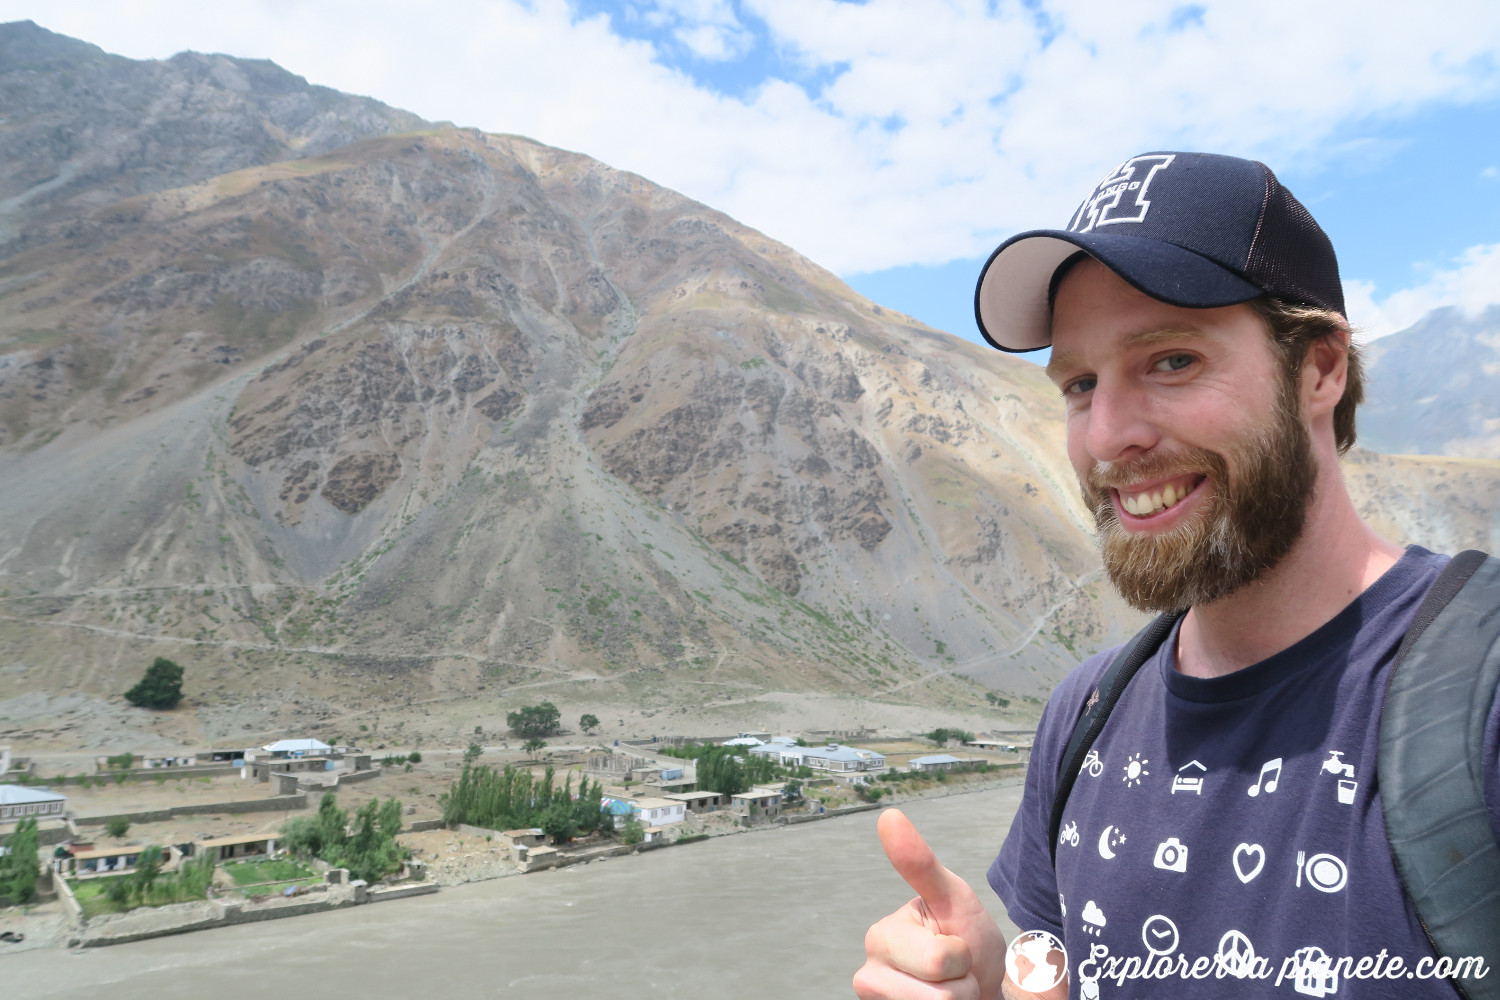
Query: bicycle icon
{"x": 1092, "y": 764}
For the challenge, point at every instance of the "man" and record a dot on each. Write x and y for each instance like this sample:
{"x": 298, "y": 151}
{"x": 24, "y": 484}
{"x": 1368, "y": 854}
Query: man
{"x": 1226, "y": 838}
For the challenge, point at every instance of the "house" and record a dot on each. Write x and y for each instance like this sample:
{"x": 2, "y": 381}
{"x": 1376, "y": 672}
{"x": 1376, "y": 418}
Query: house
{"x": 85, "y": 860}
{"x": 764, "y": 802}
{"x": 18, "y": 802}
{"x": 530, "y": 837}
{"x": 940, "y": 762}
{"x": 743, "y": 741}
{"x": 699, "y": 802}
{"x": 833, "y": 757}
{"x": 244, "y": 845}
{"x": 650, "y": 811}
{"x": 283, "y": 749}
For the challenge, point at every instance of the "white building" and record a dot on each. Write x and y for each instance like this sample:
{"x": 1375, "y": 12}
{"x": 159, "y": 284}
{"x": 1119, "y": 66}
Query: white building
{"x": 651, "y": 812}
{"x": 833, "y": 757}
{"x": 297, "y": 748}
{"x": 939, "y": 762}
{"x": 17, "y": 802}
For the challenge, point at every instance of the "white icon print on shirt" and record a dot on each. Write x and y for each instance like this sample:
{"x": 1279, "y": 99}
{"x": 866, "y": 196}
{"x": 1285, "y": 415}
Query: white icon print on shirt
{"x": 1069, "y": 835}
{"x": 1324, "y": 872}
{"x": 1159, "y": 935}
{"x": 1093, "y": 918}
{"x": 1241, "y": 859}
{"x": 1189, "y": 778}
{"x": 1092, "y": 764}
{"x": 1111, "y": 838}
{"x": 1171, "y": 855}
{"x": 1313, "y": 973}
{"x": 1135, "y": 770}
{"x": 1335, "y": 765}
{"x": 1272, "y": 767}
{"x": 1236, "y": 955}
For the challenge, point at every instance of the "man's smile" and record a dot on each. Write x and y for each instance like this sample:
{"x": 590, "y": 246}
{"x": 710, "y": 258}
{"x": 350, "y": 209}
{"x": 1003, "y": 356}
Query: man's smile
{"x": 1143, "y": 501}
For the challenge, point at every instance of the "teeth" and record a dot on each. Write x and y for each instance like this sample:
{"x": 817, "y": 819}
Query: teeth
{"x": 1144, "y": 504}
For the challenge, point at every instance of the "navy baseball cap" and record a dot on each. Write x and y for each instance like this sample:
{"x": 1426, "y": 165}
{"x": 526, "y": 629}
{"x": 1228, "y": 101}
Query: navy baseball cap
{"x": 1191, "y": 229}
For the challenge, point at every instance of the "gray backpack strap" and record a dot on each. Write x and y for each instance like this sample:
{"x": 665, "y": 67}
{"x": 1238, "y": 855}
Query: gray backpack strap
{"x": 1432, "y": 766}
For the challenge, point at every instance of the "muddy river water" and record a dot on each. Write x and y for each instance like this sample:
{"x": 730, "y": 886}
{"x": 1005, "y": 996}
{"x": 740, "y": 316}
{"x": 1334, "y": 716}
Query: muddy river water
{"x": 776, "y": 914}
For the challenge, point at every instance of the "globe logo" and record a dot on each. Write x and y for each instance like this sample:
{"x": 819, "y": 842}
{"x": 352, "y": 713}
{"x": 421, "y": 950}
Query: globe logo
{"x": 1036, "y": 961}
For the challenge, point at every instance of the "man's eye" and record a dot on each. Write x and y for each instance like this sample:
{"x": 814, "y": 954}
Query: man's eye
{"x": 1080, "y": 387}
{"x": 1174, "y": 362}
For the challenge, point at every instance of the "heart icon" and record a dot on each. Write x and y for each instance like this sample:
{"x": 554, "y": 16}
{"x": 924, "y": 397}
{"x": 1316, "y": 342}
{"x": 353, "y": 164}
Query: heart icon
{"x": 1241, "y": 867}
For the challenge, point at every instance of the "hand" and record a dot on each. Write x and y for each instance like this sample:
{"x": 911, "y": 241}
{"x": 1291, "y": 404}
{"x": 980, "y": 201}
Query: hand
{"x": 942, "y": 945}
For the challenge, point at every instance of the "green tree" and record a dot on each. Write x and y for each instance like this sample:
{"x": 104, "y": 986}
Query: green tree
{"x": 121, "y": 760}
{"x": 472, "y": 753}
{"x": 534, "y": 746}
{"x": 633, "y": 832}
{"x": 942, "y": 735}
{"x": 535, "y": 720}
{"x": 117, "y": 826}
{"x": 160, "y": 688}
{"x": 147, "y": 870}
{"x": 20, "y": 866}
{"x": 415, "y": 757}
{"x": 791, "y": 792}
{"x": 588, "y": 722}
{"x": 559, "y": 823}
{"x": 371, "y": 850}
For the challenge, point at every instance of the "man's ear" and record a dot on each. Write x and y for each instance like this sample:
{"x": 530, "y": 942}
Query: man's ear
{"x": 1325, "y": 371}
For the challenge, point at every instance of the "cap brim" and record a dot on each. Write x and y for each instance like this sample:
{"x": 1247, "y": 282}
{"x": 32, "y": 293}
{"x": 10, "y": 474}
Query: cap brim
{"x": 1010, "y": 302}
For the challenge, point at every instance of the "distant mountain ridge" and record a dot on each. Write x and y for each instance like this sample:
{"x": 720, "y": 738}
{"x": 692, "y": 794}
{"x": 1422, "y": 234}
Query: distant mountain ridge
{"x": 1435, "y": 387}
{"x": 442, "y": 414}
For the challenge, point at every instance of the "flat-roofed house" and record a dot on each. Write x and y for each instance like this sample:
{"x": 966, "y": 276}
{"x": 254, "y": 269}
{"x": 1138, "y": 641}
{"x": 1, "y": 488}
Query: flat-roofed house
{"x": 85, "y": 860}
{"x": 699, "y": 802}
{"x": 764, "y": 802}
{"x": 840, "y": 759}
{"x": 650, "y": 811}
{"x": 244, "y": 845}
{"x": 19, "y": 801}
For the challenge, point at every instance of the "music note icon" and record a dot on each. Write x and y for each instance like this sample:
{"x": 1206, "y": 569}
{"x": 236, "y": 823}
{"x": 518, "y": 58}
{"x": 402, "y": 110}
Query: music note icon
{"x": 1273, "y": 767}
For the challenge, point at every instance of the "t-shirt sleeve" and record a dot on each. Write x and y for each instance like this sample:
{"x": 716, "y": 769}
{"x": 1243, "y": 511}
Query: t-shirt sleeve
{"x": 1022, "y": 875}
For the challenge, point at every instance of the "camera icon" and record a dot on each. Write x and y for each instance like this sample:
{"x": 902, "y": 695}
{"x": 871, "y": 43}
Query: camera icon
{"x": 1171, "y": 855}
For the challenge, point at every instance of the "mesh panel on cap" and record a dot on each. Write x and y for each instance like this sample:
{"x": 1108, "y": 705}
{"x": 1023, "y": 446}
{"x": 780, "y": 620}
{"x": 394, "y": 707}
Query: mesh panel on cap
{"x": 1291, "y": 257}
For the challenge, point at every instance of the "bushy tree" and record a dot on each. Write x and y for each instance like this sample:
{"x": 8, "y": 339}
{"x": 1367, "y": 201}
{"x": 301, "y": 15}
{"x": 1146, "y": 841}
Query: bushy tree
{"x": 534, "y": 746}
{"x": 121, "y": 760}
{"x": 535, "y": 720}
{"x": 20, "y": 866}
{"x": 942, "y": 735}
{"x": 160, "y": 688}
{"x": 472, "y": 753}
{"x": 513, "y": 798}
{"x": 588, "y": 722}
{"x": 117, "y": 826}
{"x": 147, "y": 870}
{"x": 367, "y": 847}
{"x": 791, "y": 792}
{"x": 559, "y": 823}
{"x": 634, "y": 831}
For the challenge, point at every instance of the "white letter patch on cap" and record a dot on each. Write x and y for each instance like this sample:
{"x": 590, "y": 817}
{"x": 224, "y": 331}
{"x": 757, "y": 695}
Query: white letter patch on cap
{"x": 1108, "y": 204}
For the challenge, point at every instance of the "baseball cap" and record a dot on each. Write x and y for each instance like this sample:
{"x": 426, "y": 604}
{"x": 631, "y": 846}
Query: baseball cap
{"x": 1191, "y": 229}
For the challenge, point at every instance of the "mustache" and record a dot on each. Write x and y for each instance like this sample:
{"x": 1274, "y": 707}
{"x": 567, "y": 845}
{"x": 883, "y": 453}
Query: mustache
{"x": 1104, "y": 476}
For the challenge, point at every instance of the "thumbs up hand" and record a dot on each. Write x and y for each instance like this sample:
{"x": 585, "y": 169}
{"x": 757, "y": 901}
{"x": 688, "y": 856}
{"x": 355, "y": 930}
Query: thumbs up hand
{"x": 943, "y": 944}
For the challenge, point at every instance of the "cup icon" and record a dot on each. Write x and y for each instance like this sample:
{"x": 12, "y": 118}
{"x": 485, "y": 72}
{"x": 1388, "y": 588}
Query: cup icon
{"x": 1347, "y": 789}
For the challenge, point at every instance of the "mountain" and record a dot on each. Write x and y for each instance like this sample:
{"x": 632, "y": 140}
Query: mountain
{"x": 436, "y": 421}
{"x": 1435, "y": 387}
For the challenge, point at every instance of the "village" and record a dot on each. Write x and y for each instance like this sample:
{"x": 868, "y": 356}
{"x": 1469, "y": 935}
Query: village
{"x": 130, "y": 845}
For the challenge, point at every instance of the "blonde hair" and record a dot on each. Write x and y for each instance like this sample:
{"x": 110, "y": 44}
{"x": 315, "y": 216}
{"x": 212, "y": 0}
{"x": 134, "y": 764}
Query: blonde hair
{"x": 1293, "y": 328}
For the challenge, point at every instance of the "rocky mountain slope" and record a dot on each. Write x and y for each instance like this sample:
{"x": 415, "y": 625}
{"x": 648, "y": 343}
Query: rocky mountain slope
{"x": 447, "y": 415}
{"x": 1435, "y": 387}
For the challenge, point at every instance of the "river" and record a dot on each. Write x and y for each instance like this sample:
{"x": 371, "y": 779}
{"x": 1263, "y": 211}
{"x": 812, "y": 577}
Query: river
{"x": 774, "y": 914}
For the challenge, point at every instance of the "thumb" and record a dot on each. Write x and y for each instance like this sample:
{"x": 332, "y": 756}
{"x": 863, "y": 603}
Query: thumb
{"x": 948, "y": 897}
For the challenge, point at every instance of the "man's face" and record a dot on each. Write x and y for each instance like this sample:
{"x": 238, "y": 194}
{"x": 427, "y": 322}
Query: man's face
{"x": 1187, "y": 438}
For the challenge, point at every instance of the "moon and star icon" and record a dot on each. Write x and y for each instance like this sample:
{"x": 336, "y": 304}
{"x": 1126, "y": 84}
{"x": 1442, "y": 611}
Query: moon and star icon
{"x": 1111, "y": 838}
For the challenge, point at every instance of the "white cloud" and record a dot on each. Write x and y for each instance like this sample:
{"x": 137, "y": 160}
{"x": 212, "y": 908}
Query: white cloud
{"x": 1490, "y": 173}
{"x": 1472, "y": 283}
{"x": 946, "y": 125}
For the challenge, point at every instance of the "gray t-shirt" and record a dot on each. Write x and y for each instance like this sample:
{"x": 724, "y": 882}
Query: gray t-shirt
{"x": 1227, "y": 834}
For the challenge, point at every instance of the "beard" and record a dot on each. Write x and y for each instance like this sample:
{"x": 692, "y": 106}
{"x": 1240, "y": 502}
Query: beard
{"x": 1246, "y": 523}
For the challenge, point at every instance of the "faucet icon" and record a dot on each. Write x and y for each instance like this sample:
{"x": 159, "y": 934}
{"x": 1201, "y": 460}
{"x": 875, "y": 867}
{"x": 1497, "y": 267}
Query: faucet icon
{"x": 1335, "y": 764}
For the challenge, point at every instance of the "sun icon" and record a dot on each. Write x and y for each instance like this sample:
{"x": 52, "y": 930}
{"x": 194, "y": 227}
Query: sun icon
{"x": 1135, "y": 770}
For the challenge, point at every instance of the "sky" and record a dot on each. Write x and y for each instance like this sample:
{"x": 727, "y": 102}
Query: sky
{"x": 897, "y": 142}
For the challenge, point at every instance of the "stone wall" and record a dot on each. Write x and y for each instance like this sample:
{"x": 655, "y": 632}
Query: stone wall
{"x": 276, "y": 803}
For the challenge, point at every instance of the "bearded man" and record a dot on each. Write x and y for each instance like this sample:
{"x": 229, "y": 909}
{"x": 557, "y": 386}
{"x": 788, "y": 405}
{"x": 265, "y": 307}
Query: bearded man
{"x": 1226, "y": 836}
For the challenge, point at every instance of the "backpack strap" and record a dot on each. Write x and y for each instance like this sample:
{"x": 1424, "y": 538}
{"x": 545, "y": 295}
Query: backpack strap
{"x": 1096, "y": 712}
{"x": 1431, "y": 768}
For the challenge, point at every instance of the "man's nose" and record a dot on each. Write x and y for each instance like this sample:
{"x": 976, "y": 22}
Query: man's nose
{"x": 1119, "y": 424}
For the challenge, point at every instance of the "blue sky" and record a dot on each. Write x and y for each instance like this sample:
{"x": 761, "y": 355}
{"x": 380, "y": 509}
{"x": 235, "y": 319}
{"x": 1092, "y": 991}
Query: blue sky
{"x": 897, "y": 141}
